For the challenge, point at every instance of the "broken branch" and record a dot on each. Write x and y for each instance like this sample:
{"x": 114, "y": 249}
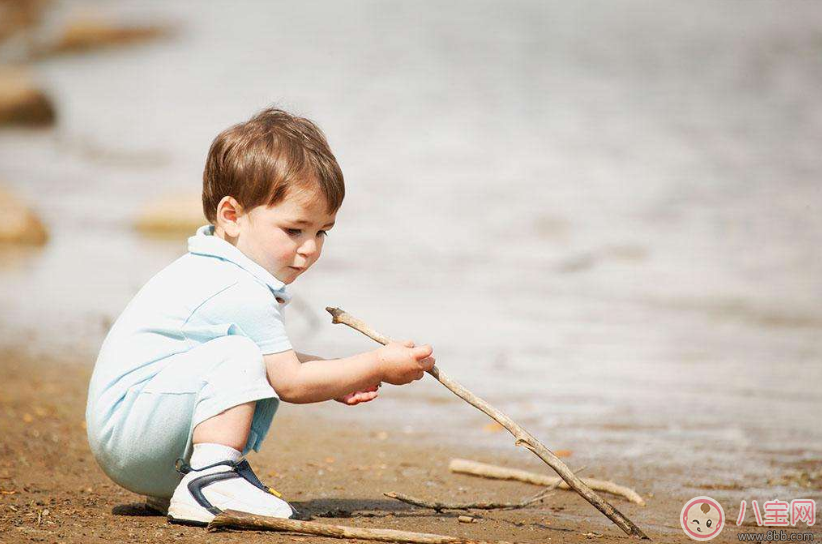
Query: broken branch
{"x": 523, "y": 438}
{"x": 240, "y": 520}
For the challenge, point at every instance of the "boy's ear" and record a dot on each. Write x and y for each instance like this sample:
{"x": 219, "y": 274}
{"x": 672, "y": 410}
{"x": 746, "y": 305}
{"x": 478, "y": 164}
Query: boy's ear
{"x": 228, "y": 212}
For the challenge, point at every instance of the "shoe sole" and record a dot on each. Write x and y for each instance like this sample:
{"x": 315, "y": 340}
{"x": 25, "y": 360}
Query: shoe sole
{"x": 187, "y": 515}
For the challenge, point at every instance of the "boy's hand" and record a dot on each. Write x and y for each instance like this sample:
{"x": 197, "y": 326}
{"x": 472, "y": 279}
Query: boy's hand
{"x": 402, "y": 362}
{"x": 357, "y": 397}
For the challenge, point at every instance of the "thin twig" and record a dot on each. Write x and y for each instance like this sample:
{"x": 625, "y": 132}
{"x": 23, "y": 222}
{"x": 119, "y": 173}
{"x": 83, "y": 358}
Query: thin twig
{"x": 465, "y": 466}
{"x": 542, "y": 494}
{"x": 523, "y": 438}
{"x": 440, "y": 506}
{"x": 240, "y": 520}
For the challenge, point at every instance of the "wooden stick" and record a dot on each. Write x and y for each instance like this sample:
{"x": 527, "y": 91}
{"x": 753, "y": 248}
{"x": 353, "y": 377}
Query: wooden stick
{"x": 440, "y": 506}
{"x": 241, "y": 520}
{"x": 523, "y": 438}
{"x": 464, "y": 466}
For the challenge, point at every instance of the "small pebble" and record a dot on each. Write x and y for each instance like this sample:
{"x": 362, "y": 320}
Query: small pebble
{"x": 465, "y": 519}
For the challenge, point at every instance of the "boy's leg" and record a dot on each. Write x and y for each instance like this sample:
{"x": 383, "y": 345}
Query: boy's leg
{"x": 216, "y": 479}
{"x": 230, "y": 428}
{"x": 158, "y": 422}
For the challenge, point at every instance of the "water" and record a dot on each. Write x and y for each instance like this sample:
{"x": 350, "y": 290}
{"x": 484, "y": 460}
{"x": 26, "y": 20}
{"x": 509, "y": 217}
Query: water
{"x": 605, "y": 217}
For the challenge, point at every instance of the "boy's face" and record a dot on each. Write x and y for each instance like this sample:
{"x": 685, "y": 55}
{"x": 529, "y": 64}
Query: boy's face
{"x": 287, "y": 238}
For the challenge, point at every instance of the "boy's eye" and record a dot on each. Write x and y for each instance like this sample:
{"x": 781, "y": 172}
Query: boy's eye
{"x": 298, "y": 232}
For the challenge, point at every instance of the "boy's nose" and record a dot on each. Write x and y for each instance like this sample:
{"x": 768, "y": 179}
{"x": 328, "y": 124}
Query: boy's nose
{"x": 308, "y": 248}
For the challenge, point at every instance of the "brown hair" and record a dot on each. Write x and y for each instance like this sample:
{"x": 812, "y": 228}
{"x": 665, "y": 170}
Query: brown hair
{"x": 259, "y": 161}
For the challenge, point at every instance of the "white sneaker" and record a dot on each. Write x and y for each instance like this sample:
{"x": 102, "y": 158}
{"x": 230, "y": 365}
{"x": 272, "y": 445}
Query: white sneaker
{"x": 227, "y": 485}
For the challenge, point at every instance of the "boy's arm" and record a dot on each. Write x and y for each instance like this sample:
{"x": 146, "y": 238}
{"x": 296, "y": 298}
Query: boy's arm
{"x": 318, "y": 380}
{"x": 304, "y": 357}
{"x": 351, "y": 398}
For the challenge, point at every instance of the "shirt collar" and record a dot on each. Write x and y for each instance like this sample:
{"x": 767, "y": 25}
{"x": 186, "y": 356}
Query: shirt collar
{"x": 205, "y": 243}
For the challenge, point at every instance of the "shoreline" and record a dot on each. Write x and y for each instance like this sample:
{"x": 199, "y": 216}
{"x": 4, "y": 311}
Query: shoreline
{"x": 332, "y": 465}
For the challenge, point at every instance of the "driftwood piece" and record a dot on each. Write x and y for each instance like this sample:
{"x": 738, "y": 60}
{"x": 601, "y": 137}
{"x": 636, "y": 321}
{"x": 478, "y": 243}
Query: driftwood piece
{"x": 465, "y": 466}
{"x": 440, "y": 506}
{"x": 523, "y": 438}
{"x": 230, "y": 519}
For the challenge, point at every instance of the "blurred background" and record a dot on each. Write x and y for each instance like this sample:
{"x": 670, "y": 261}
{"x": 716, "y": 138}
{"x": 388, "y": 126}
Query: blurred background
{"x": 605, "y": 217}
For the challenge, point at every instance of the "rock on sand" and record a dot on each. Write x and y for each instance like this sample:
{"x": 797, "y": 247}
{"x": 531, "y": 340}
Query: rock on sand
{"x": 19, "y": 224}
{"x": 172, "y": 215}
{"x": 95, "y": 33}
{"x": 21, "y": 103}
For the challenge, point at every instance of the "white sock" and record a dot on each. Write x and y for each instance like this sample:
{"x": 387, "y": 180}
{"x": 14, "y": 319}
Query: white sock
{"x": 208, "y": 454}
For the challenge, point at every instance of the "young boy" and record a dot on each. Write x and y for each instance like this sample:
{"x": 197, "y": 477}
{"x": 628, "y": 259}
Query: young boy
{"x": 197, "y": 363}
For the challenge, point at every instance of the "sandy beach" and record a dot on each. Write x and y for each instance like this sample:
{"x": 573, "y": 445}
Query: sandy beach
{"x": 335, "y": 469}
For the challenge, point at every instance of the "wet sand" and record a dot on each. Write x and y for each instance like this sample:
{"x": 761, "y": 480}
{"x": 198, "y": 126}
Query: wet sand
{"x": 336, "y": 469}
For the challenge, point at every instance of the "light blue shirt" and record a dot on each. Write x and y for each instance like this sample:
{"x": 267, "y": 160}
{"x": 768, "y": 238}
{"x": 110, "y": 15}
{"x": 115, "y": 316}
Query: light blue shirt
{"x": 211, "y": 292}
